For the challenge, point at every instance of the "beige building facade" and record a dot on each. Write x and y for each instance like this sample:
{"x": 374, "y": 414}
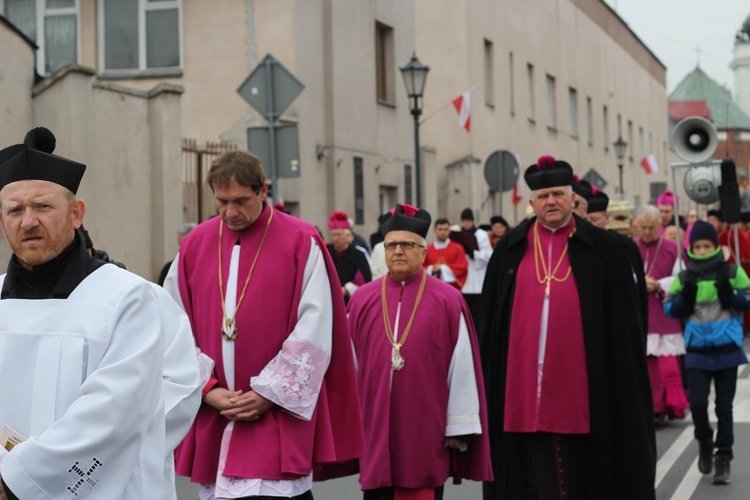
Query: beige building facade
{"x": 560, "y": 77}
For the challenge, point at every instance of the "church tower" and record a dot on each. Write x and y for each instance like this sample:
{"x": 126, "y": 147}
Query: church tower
{"x": 741, "y": 66}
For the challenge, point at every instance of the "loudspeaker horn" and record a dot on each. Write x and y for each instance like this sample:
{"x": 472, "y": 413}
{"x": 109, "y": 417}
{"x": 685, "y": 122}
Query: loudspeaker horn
{"x": 694, "y": 139}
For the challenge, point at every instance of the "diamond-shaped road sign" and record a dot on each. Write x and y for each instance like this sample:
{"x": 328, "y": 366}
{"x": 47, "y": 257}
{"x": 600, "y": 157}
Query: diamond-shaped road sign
{"x": 595, "y": 179}
{"x": 268, "y": 78}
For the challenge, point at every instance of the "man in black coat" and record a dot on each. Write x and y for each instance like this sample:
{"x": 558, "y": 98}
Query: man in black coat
{"x": 351, "y": 264}
{"x": 609, "y": 447}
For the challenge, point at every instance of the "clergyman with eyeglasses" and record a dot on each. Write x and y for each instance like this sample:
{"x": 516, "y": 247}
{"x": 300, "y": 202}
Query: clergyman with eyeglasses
{"x": 412, "y": 333}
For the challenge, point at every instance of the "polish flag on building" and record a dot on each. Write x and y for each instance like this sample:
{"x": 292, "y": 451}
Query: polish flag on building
{"x": 650, "y": 165}
{"x": 518, "y": 190}
{"x": 462, "y": 104}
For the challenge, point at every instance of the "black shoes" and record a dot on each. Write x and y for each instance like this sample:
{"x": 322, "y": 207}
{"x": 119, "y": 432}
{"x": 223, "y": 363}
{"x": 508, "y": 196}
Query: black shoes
{"x": 705, "y": 454}
{"x": 722, "y": 470}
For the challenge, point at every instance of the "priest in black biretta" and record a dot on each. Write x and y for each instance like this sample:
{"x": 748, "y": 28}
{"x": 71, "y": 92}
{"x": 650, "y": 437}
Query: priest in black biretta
{"x": 406, "y": 218}
{"x": 598, "y": 201}
{"x": 33, "y": 160}
{"x": 580, "y": 423}
{"x": 548, "y": 172}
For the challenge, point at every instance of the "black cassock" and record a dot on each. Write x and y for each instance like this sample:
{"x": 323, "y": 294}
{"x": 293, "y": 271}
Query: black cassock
{"x": 349, "y": 262}
{"x": 622, "y": 454}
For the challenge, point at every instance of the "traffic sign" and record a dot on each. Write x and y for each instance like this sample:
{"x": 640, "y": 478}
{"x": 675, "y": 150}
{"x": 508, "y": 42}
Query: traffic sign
{"x": 270, "y": 88}
{"x": 501, "y": 171}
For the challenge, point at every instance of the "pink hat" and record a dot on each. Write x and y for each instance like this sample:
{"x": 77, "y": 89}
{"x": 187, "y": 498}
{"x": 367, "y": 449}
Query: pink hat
{"x": 667, "y": 198}
{"x": 338, "y": 220}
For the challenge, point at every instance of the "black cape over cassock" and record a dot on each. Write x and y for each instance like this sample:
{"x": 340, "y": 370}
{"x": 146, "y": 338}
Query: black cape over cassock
{"x": 349, "y": 262}
{"x": 622, "y": 440}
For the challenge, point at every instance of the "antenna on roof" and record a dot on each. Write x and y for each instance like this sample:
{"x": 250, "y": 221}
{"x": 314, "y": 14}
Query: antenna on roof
{"x": 697, "y": 56}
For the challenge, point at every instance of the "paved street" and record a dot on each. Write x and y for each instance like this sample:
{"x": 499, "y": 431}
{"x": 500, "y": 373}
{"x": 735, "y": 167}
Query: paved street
{"x": 677, "y": 475}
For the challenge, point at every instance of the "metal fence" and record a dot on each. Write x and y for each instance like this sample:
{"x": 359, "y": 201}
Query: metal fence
{"x": 197, "y": 198}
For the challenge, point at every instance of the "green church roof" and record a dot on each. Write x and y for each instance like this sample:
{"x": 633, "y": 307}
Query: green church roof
{"x": 697, "y": 86}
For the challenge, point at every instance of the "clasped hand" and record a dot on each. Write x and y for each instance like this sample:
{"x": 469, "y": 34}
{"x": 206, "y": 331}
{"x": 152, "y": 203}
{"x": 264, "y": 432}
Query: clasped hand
{"x": 238, "y": 405}
{"x": 652, "y": 285}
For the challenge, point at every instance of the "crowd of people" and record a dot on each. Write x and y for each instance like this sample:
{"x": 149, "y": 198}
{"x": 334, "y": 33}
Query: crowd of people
{"x": 537, "y": 359}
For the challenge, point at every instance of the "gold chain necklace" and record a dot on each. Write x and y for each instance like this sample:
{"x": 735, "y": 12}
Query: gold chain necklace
{"x": 397, "y": 361}
{"x": 539, "y": 255}
{"x": 229, "y": 329}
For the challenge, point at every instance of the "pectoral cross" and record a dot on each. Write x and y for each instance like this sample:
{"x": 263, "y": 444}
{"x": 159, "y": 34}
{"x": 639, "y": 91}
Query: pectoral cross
{"x": 546, "y": 289}
{"x": 229, "y": 331}
{"x": 397, "y": 361}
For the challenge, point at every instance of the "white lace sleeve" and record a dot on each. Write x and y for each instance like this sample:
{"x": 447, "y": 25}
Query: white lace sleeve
{"x": 294, "y": 376}
{"x": 205, "y": 366}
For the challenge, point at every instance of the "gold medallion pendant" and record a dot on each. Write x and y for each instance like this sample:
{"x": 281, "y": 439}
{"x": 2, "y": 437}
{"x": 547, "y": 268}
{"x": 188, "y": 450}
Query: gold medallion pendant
{"x": 229, "y": 332}
{"x": 397, "y": 361}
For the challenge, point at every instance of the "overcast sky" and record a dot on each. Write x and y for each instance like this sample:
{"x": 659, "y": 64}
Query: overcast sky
{"x": 672, "y": 29}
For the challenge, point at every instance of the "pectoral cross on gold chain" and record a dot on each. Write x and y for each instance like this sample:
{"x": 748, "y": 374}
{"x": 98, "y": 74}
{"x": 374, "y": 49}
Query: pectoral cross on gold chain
{"x": 229, "y": 332}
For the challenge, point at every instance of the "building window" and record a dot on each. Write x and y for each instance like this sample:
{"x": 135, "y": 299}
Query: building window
{"x": 650, "y": 143}
{"x": 551, "y": 119}
{"x": 656, "y": 188}
{"x": 384, "y": 73}
{"x": 641, "y": 143}
{"x": 590, "y": 121}
{"x": 530, "y": 91}
{"x": 619, "y": 125}
{"x": 605, "y": 127}
{"x": 52, "y": 24}
{"x": 630, "y": 139}
{"x": 489, "y": 81}
{"x": 407, "y": 184}
{"x": 140, "y": 35}
{"x": 512, "y": 87}
{"x": 573, "y": 101}
{"x": 359, "y": 192}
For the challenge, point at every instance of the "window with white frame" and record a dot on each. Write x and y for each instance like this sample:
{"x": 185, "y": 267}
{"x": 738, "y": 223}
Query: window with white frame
{"x": 52, "y": 24}
{"x": 140, "y": 35}
{"x": 573, "y": 114}
{"x": 551, "y": 119}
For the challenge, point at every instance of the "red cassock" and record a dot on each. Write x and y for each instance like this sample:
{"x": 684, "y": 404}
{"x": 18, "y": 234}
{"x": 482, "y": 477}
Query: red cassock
{"x": 452, "y": 256}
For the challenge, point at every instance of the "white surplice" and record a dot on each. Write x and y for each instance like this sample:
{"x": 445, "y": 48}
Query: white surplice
{"x": 82, "y": 379}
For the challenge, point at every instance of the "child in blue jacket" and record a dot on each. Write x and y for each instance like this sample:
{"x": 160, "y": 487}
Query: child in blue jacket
{"x": 711, "y": 296}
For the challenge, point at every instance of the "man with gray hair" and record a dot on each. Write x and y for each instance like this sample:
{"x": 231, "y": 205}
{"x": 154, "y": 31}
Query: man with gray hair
{"x": 562, "y": 350}
{"x": 182, "y": 231}
{"x": 664, "y": 341}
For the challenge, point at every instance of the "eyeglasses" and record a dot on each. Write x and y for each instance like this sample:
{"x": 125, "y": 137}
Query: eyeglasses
{"x": 405, "y": 245}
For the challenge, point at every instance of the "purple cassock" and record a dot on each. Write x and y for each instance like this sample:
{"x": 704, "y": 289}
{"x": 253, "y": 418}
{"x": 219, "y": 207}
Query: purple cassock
{"x": 664, "y": 341}
{"x": 406, "y": 412}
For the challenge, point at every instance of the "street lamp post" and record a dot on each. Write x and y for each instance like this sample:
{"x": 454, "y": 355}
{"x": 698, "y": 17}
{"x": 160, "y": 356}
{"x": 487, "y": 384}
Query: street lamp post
{"x": 620, "y": 148}
{"x": 415, "y": 77}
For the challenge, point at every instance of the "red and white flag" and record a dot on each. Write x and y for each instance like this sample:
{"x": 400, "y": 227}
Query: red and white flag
{"x": 650, "y": 165}
{"x": 518, "y": 190}
{"x": 462, "y": 104}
